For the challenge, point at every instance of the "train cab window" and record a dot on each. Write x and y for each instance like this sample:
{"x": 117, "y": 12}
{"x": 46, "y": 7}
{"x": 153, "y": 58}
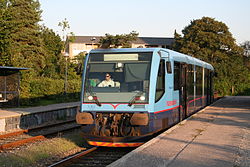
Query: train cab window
{"x": 160, "y": 83}
{"x": 176, "y": 76}
{"x": 168, "y": 67}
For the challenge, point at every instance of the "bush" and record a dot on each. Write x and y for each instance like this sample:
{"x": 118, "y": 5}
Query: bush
{"x": 38, "y": 89}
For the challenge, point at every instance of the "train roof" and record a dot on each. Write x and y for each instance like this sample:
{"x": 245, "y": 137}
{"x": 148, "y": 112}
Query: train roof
{"x": 189, "y": 60}
{"x": 176, "y": 56}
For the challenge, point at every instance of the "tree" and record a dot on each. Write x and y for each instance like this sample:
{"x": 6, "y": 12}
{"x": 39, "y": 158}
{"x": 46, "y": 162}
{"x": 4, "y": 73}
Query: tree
{"x": 65, "y": 27}
{"x": 64, "y": 62}
{"x": 79, "y": 62}
{"x": 25, "y": 45}
{"x": 123, "y": 40}
{"x": 5, "y": 33}
{"x": 53, "y": 47}
{"x": 211, "y": 41}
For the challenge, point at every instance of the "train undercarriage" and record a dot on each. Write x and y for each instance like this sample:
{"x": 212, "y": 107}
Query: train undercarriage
{"x": 114, "y": 128}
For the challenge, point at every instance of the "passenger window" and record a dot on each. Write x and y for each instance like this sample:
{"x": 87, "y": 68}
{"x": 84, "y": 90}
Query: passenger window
{"x": 168, "y": 66}
{"x": 160, "y": 83}
{"x": 176, "y": 76}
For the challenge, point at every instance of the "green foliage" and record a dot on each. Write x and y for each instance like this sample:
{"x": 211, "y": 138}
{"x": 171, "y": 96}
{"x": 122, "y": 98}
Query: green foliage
{"x": 45, "y": 151}
{"x": 211, "y": 41}
{"x": 5, "y": 32}
{"x": 52, "y": 41}
{"x": 79, "y": 62}
{"x": 51, "y": 89}
{"x": 45, "y": 87}
{"x": 53, "y": 47}
{"x": 22, "y": 45}
{"x": 65, "y": 27}
{"x": 123, "y": 40}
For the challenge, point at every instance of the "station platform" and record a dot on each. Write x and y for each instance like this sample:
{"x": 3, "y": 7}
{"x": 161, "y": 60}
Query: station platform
{"x": 12, "y": 119}
{"x": 217, "y": 136}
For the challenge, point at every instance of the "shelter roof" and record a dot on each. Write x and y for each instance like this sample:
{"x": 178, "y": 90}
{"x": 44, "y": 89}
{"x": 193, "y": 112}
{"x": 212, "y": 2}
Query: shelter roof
{"x": 6, "y": 68}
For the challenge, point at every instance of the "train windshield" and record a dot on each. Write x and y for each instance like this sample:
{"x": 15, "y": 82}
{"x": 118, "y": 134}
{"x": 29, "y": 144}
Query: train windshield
{"x": 117, "y": 78}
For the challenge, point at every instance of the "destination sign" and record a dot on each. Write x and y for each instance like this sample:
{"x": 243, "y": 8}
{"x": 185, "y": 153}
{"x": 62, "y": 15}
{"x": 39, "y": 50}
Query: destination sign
{"x": 121, "y": 57}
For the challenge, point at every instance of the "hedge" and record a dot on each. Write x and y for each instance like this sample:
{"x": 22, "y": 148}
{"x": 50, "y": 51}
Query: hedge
{"x": 40, "y": 88}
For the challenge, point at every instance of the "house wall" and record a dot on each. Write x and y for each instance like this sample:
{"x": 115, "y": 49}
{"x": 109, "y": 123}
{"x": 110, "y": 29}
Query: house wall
{"x": 76, "y": 48}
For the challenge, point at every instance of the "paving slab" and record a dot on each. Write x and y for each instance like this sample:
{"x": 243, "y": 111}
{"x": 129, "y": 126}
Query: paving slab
{"x": 217, "y": 136}
{"x": 7, "y": 114}
{"x": 29, "y": 110}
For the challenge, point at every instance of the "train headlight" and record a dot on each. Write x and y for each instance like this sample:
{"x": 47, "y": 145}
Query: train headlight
{"x": 119, "y": 65}
{"x": 90, "y": 98}
{"x": 142, "y": 98}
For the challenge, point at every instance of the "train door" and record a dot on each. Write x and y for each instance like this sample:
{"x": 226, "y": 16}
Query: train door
{"x": 190, "y": 89}
{"x": 207, "y": 83}
{"x": 180, "y": 80}
{"x": 210, "y": 88}
{"x": 183, "y": 91}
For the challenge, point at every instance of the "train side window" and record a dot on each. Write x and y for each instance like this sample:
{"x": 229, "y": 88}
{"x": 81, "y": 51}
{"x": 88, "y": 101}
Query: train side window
{"x": 168, "y": 66}
{"x": 176, "y": 76}
{"x": 160, "y": 83}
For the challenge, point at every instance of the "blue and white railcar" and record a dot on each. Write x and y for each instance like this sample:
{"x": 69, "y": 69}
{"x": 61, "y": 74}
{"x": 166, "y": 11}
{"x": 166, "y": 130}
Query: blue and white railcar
{"x": 151, "y": 90}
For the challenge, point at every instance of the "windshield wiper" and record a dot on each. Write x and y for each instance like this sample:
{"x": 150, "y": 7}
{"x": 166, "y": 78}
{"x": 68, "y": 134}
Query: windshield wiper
{"x": 132, "y": 101}
{"x": 94, "y": 97}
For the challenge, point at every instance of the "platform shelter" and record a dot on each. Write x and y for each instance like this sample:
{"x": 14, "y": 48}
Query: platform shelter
{"x": 10, "y": 86}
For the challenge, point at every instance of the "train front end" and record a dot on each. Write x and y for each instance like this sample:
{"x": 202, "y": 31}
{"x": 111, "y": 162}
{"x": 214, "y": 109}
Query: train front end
{"x": 115, "y": 97}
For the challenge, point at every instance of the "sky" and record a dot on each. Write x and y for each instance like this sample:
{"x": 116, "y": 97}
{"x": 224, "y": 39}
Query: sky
{"x": 150, "y": 18}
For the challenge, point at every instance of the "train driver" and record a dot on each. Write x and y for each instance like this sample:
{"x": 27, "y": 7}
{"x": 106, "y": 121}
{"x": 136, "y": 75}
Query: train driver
{"x": 108, "y": 82}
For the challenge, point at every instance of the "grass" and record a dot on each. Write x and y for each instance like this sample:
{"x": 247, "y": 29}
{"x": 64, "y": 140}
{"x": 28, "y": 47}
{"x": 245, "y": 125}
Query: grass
{"x": 41, "y": 151}
{"x": 45, "y": 102}
{"x": 50, "y": 99}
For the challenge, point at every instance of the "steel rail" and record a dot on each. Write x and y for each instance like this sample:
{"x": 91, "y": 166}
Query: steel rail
{"x": 21, "y": 142}
{"x": 30, "y": 139}
{"x": 73, "y": 157}
{"x": 20, "y": 132}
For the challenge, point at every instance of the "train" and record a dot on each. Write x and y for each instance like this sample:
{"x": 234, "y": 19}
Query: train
{"x": 130, "y": 94}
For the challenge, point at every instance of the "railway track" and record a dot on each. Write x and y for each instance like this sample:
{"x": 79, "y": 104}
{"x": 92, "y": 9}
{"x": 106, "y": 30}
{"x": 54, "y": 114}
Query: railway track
{"x": 19, "y": 138}
{"x": 93, "y": 157}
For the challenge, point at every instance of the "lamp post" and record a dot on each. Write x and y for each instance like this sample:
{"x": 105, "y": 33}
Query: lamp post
{"x": 66, "y": 55}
